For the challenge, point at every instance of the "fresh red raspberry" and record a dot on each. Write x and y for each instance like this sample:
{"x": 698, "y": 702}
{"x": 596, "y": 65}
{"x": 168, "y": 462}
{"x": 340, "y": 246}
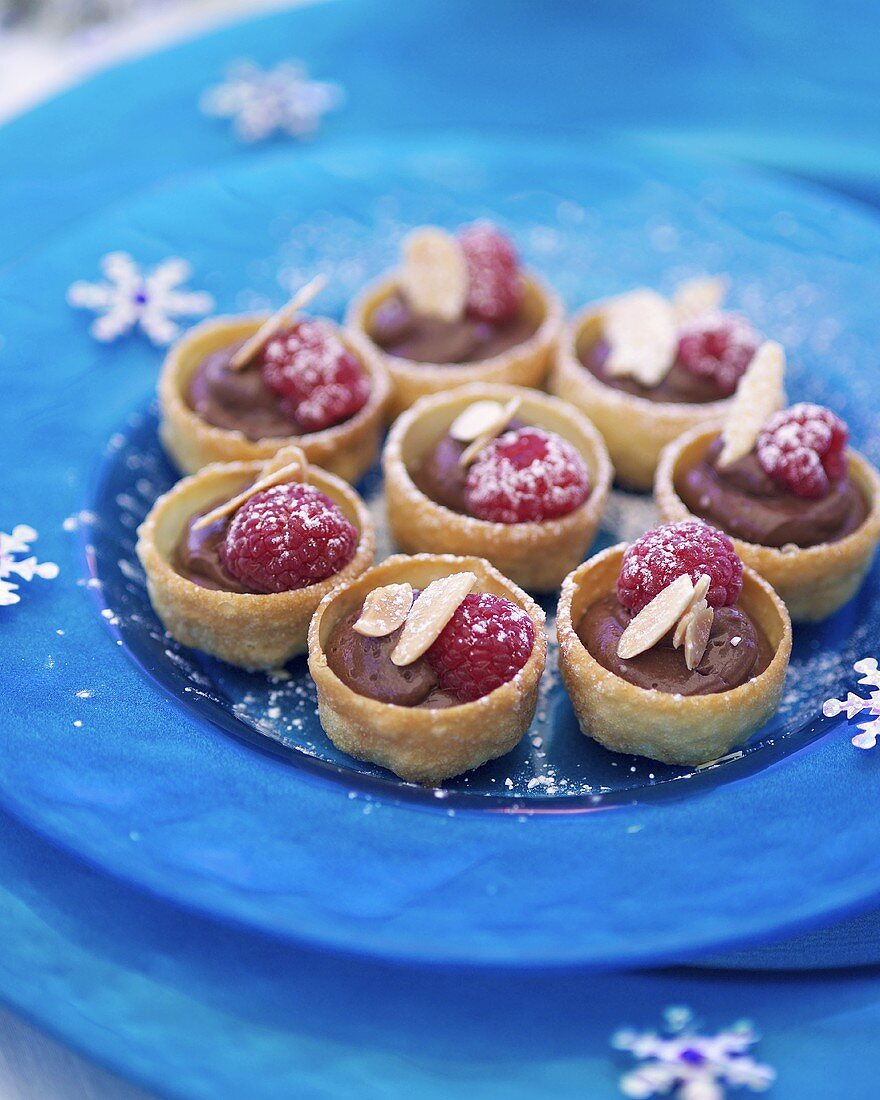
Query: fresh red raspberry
{"x": 526, "y": 476}
{"x": 719, "y": 348}
{"x": 287, "y": 537}
{"x": 804, "y": 449}
{"x": 485, "y": 644}
{"x": 664, "y": 554}
{"x": 495, "y": 286}
{"x": 319, "y": 381}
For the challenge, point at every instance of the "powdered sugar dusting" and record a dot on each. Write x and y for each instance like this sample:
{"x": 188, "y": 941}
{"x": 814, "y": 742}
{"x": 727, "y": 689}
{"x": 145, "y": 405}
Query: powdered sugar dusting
{"x": 648, "y": 236}
{"x": 525, "y": 476}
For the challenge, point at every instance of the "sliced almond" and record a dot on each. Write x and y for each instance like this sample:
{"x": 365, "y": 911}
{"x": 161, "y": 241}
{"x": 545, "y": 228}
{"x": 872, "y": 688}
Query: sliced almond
{"x": 283, "y": 459}
{"x": 293, "y": 471}
{"x": 696, "y": 637}
{"x": 430, "y": 613}
{"x": 477, "y": 418}
{"x": 276, "y": 322}
{"x": 683, "y": 623}
{"x": 704, "y": 583}
{"x": 385, "y": 609}
{"x": 760, "y": 393}
{"x": 434, "y": 276}
{"x": 697, "y": 297}
{"x": 697, "y": 601}
{"x": 656, "y": 619}
{"x": 508, "y": 412}
{"x": 642, "y": 335}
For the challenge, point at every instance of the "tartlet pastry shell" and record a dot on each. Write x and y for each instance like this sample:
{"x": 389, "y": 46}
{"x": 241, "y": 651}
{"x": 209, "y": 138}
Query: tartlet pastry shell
{"x": 245, "y": 629}
{"x": 813, "y": 581}
{"x": 348, "y": 449}
{"x": 663, "y": 726}
{"x": 534, "y": 555}
{"x": 418, "y": 744}
{"x": 526, "y": 364}
{"x": 635, "y": 430}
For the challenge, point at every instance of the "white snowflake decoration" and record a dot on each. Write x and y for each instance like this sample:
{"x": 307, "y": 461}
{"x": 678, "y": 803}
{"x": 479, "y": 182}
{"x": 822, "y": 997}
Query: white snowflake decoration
{"x": 263, "y": 102}
{"x": 855, "y": 704}
{"x": 134, "y": 297}
{"x": 12, "y": 565}
{"x": 682, "y": 1063}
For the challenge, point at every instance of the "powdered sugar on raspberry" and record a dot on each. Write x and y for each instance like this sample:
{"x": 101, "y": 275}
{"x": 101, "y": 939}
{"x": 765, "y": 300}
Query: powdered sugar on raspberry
{"x": 718, "y": 346}
{"x": 526, "y": 476}
{"x": 485, "y": 643}
{"x": 692, "y": 547}
{"x": 287, "y": 537}
{"x": 804, "y": 449}
{"x": 495, "y": 286}
{"x": 318, "y": 380}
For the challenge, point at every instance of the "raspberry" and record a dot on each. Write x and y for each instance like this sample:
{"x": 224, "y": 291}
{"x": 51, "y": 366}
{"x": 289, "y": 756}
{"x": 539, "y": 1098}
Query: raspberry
{"x": 660, "y": 556}
{"x": 319, "y": 381}
{"x": 495, "y": 287}
{"x": 526, "y": 476}
{"x": 485, "y": 644}
{"x": 719, "y": 348}
{"x": 287, "y": 537}
{"x": 804, "y": 449}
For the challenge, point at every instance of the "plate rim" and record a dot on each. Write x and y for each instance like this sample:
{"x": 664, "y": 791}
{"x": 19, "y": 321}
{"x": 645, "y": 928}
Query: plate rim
{"x": 845, "y": 902}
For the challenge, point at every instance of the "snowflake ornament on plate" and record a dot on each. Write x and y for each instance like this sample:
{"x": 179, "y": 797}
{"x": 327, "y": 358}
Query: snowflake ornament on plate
{"x": 680, "y": 1062}
{"x": 134, "y": 297}
{"x": 263, "y": 102}
{"x": 13, "y": 565}
{"x": 855, "y": 704}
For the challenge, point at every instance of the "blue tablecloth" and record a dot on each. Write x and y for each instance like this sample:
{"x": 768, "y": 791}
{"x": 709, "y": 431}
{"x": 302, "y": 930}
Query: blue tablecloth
{"x": 795, "y": 87}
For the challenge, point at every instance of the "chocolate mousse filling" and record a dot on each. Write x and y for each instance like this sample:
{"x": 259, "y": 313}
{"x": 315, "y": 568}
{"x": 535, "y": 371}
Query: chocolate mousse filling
{"x": 680, "y": 385}
{"x": 737, "y": 652}
{"x": 238, "y": 400}
{"x": 197, "y": 556}
{"x": 406, "y": 334}
{"x": 748, "y": 504}
{"x": 440, "y": 475}
{"x": 364, "y": 665}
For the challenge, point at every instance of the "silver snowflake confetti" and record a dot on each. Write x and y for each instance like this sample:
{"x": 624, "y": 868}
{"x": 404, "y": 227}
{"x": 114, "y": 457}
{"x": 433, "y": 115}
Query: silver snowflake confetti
{"x": 12, "y": 564}
{"x": 682, "y": 1063}
{"x": 855, "y": 704}
{"x": 264, "y": 102}
{"x": 133, "y": 297}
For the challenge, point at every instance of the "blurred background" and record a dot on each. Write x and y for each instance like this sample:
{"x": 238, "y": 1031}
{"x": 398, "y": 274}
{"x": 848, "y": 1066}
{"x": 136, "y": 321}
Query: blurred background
{"x": 793, "y": 85}
{"x": 46, "y": 45}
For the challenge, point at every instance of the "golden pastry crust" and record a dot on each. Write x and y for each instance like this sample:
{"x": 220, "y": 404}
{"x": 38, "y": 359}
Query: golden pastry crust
{"x": 347, "y": 450}
{"x": 524, "y": 365}
{"x": 813, "y": 581}
{"x": 534, "y": 555}
{"x": 663, "y": 726}
{"x": 418, "y": 744}
{"x": 635, "y": 430}
{"x": 244, "y": 629}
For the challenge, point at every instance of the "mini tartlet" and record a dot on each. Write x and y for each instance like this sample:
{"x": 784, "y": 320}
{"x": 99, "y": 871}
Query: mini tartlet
{"x": 248, "y": 629}
{"x": 347, "y": 449}
{"x": 535, "y": 555}
{"x": 662, "y": 724}
{"x": 637, "y": 425}
{"x": 802, "y": 508}
{"x": 421, "y": 744}
{"x": 814, "y": 581}
{"x": 536, "y": 311}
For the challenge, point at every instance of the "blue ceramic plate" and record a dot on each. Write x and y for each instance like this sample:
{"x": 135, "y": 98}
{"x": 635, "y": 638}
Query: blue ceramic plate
{"x": 191, "y": 1008}
{"x": 218, "y": 789}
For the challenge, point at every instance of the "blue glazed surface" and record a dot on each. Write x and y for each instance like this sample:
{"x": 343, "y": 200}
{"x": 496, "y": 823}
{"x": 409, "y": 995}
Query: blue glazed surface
{"x": 194, "y": 1009}
{"x": 795, "y": 86}
{"x": 153, "y": 793}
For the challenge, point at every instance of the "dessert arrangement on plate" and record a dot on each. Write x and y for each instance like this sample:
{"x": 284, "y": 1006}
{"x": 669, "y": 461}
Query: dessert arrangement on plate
{"x": 506, "y": 427}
